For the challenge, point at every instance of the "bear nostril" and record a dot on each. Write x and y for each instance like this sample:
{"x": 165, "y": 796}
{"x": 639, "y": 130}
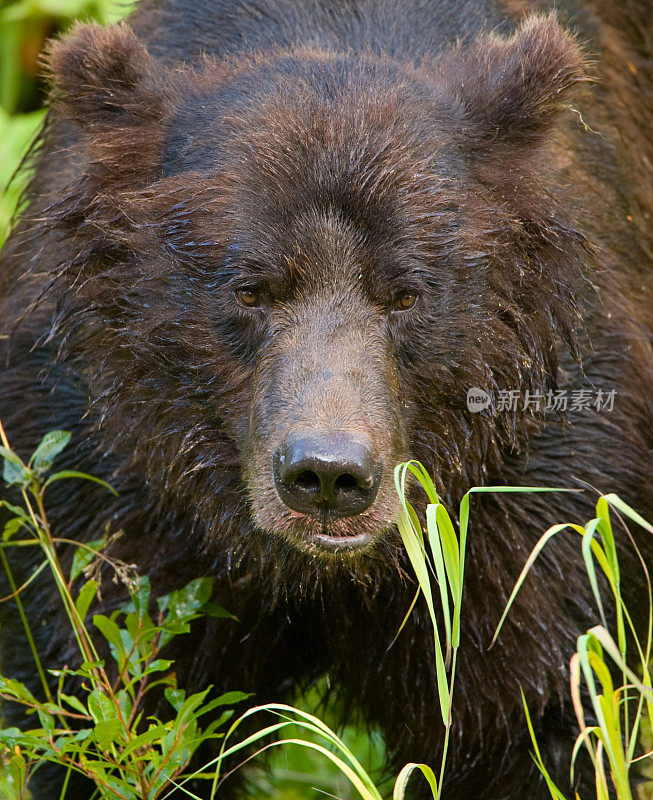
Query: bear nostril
{"x": 307, "y": 481}
{"x": 345, "y": 483}
{"x": 334, "y": 472}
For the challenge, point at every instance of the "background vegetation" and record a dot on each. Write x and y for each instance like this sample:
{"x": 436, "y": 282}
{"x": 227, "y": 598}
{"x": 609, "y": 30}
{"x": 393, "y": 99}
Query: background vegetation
{"x": 24, "y": 27}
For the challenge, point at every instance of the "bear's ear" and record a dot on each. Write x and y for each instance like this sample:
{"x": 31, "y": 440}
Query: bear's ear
{"x": 103, "y": 75}
{"x": 513, "y": 89}
{"x": 118, "y": 96}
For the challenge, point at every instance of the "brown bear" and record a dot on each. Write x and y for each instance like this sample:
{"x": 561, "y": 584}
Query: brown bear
{"x": 270, "y": 247}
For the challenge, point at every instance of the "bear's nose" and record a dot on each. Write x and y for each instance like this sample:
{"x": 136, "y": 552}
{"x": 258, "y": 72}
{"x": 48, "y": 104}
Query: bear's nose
{"x": 334, "y": 472}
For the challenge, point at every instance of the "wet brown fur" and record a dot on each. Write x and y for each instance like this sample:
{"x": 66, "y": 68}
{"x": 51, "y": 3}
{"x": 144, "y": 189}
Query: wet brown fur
{"x": 449, "y": 149}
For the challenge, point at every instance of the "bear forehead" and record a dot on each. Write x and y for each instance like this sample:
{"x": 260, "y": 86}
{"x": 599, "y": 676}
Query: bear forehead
{"x": 308, "y": 179}
{"x": 321, "y": 114}
{"x": 287, "y": 233}
{"x": 324, "y": 248}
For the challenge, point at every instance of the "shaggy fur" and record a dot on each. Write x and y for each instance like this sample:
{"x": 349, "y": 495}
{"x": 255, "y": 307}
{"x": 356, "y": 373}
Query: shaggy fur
{"x": 334, "y": 160}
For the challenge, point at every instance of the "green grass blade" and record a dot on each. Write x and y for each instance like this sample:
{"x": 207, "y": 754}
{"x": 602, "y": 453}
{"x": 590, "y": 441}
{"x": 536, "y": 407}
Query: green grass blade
{"x": 416, "y": 556}
{"x": 586, "y": 549}
{"x": 615, "y": 501}
{"x": 432, "y": 531}
{"x": 546, "y": 536}
{"x": 404, "y": 776}
{"x": 555, "y": 793}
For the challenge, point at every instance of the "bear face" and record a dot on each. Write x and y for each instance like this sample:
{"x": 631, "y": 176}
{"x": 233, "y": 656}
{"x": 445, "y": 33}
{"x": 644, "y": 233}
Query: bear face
{"x": 289, "y": 268}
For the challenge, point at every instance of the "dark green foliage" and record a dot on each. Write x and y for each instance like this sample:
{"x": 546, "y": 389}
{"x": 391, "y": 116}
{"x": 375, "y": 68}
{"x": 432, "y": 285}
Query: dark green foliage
{"x": 102, "y": 729}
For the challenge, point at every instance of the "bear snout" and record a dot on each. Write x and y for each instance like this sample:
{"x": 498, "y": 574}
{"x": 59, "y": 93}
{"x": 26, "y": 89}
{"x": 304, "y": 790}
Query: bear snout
{"x": 333, "y": 474}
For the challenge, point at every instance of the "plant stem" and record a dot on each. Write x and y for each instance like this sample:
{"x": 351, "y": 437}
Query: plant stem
{"x": 3, "y": 437}
{"x": 86, "y": 646}
{"x": 28, "y": 632}
{"x": 447, "y": 728}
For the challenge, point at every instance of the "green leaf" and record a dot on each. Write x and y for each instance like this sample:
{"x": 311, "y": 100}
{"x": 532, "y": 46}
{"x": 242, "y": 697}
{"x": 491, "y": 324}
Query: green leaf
{"x": 415, "y": 550}
{"x": 159, "y": 665}
{"x": 100, "y": 706}
{"x": 11, "y": 736}
{"x": 149, "y": 737}
{"x": 51, "y": 445}
{"x": 176, "y": 698}
{"x": 107, "y": 731}
{"x": 17, "y": 690}
{"x": 126, "y": 706}
{"x": 20, "y": 518}
{"x": 87, "y": 669}
{"x": 83, "y": 557}
{"x": 355, "y": 773}
{"x": 555, "y": 793}
{"x": 71, "y": 473}
{"x": 82, "y": 735}
{"x": 619, "y": 504}
{"x": 16, "y": 771}
{"x": 140, "y": 599}
{"x": 216, "y": 722}
{"x": 12, "y": 527}
{"x": 140, "y": 629}
{"x": 535, "y": 552}
{"x": 109, "y": 630}
{"x": 47, "y": 721}
{"x": 434, "y": 537}
{"x": 185, "y": 603}
{"x": 401, "y": 784}
{"x": 17, "y": 511}
{"x": 227, "y": 699}
{"x": 214, "y": 610}
{"x": 14, "y": 473}
{"x": 74, "y": 702}
{"x": 230, "y": 698}
{"x": 85, "y": 598}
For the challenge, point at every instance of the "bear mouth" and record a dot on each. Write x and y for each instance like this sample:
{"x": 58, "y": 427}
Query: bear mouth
{"x": 327, "y": 535}
{"x": 332, "y": 542}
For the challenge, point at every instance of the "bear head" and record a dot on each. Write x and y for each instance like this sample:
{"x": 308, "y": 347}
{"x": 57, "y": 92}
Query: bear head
{"x": 281, "y": 272}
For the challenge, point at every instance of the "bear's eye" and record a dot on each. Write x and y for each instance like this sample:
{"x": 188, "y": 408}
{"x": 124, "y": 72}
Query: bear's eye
{"x": 404, "y": 302}
{"x": 248, "y": 297}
